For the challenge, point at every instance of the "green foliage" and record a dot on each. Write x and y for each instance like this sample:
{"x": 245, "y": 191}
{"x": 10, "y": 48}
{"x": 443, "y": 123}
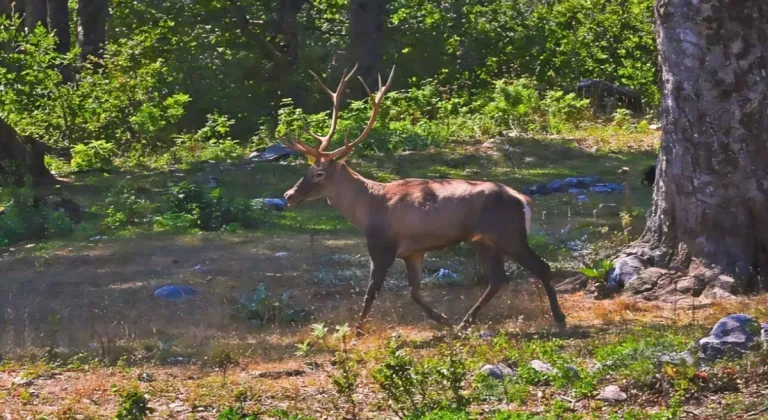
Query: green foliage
{"x": 134, "y": 405}
{"x": 25, "y": 219}
{"x": 414, "y": 389}
{"x": 126, "y": 206}
{"x": 98, "y": 155}
{"x": 204, "y": 210}
{"x": 265, "y": 308}
{"x": 236, "y": 413}
{"x": 599, "y": 270}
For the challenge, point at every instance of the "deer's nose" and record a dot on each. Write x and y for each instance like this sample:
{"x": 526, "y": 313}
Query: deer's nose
{"x": 291, "y": 198}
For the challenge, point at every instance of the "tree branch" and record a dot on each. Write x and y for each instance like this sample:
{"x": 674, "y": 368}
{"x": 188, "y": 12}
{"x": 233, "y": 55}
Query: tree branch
{"x": 244, "y": 24}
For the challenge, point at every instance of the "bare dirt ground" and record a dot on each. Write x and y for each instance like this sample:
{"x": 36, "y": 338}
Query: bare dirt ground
{"x": 98, "y": 298}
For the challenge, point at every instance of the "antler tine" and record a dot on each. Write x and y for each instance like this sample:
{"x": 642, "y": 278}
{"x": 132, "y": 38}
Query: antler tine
{"x": 365, "y": 86}
{"x": 325, "y": 141}
{"x": 322, "y": 85}
{"x": 299, "y": 146}
{"x": 376, "y": 105}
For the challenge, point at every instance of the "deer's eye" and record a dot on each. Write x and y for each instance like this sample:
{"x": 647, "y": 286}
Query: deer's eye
{"x": 318, "y": 176}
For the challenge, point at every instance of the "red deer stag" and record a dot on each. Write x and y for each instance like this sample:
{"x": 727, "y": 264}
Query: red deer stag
{"x": 405, "y": 219}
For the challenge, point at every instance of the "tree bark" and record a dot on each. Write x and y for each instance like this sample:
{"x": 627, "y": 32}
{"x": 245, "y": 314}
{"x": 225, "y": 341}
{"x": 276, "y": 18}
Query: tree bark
{"x": 367, "y": 20}
{"x": 710, "y": 210}
{"x": 58, "y": 23}
{"x": 35, "y": 13}
{"x": 284, "y": 56}
{"x": 22, "y": 156}
{"x": 92, "y": 28}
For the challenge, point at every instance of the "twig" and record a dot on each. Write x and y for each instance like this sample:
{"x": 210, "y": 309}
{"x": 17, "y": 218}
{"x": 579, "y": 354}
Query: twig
{"x": 691, "y": 412}
{"x": 757, "y": 412}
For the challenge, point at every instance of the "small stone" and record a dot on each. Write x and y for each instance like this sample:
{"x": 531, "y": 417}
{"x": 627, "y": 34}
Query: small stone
{"x": 541, "y": 367}
{"x": 272, "y": 153}
{"x": 498, "y": 371}
{"x": 146, "y": 377}
{"x": 281, "y": 255}
{"x": 607, "y": 209}
{"x": 612, "y": 394}
{"x": 684, "y": 357}
{"x": 23, "y": 381}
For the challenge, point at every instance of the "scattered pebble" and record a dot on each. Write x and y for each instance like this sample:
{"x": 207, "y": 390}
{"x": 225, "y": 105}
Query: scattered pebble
{"x": 612, "y": 394}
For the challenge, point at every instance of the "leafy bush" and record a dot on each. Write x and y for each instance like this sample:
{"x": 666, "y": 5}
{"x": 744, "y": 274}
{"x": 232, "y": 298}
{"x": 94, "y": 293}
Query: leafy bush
{"x": 133, "y": 405}
{"x": 213, "y": 142}
{"x": 126, "y": 207}
{"x": 24, "y": 219}
{"x": 208, "y": 211}
{"x": 599, "y": 270}
{"x": 264, "y": 308}
{"x": 98, "y": 155}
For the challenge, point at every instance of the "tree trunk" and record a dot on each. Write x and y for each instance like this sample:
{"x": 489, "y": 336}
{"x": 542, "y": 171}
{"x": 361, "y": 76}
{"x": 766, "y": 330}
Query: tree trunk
{"x": 92, "y": 28}
{"x": 367, "y": 19}
{"x": 35, "y": 13}
{"x": 58, "y": 23}
{"x": 710, "y": 213}
{"x": 288, "y": 33}
{"x": 22, "y": 156}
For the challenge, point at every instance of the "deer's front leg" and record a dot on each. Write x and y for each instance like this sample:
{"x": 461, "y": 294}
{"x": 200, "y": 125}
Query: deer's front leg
{"x": 382, "y": 258}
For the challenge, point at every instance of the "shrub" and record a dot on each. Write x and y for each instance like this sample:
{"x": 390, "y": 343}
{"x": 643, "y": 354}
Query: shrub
{"x": 208, "y": 211}
{"x": 95, "y": 156}
{"x": 25, "y": 218}
{"x": 133, "y": 405}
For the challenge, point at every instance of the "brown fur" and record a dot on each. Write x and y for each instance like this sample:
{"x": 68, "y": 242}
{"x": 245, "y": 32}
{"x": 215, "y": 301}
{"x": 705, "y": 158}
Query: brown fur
{"x": 405, "y": 219}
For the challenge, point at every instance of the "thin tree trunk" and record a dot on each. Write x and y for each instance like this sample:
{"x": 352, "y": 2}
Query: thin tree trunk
{"x": 710, "y": 211}
{"x": 35, "y": 13}
{"x": 367, "y": 20}
{"x": 288, "y": 32}
{"x": 21, "y": 156}
{"x": 92, "y": 28}
{"x": 58, "y": 23}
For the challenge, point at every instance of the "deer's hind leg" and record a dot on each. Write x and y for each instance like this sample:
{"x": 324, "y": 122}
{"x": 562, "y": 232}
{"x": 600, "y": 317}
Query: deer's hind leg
{"x": 513, "y": 242}
{"x": 492, "y": 265}
{"x": 414, "y": 265}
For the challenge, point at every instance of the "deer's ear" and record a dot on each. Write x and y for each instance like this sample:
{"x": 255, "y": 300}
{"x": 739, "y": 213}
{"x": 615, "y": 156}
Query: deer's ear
{"x": 311, "y": 160}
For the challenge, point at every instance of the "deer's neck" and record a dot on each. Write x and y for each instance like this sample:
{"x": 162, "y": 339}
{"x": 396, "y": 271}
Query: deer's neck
{"x": 353, "y": 196}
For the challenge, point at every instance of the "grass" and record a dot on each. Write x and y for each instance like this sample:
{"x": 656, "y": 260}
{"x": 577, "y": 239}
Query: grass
{"x": 83, "y": 327}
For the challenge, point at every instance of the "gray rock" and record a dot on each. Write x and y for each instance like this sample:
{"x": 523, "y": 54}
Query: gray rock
{"x": 732, "y": 336}
{"x": 557, "y": 186}
{"x": 643, "y": 282}
{"x": 764, "y": 333}
{"x": 612, "y": 394}
{"x": 272, "y": 153}
{"x": 684, "y": 357}
{"x": 607, "y": 209}
{"x": 542, "y": 367}
{"x": 625, "y": 270}
{"x": 498, "y": 371}
{"x": 574, "y": 372}
{"x": 274, "y": 204}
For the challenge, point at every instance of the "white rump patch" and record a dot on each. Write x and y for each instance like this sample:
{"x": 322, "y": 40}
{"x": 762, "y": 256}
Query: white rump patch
{"x": 527, "y": 211}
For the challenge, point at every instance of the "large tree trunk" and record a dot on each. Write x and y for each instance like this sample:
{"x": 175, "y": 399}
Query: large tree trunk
{"x": 22, "y": 156}
{"x": 709, "y": 219}
{"x": 35, "y": 13}
{"x": 367, "y": 20}
{"x": 58, "y": 23}
{"x": 92, "y": 28}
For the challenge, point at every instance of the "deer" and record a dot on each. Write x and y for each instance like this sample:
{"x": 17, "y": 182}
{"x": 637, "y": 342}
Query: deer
{"x": 405, "y": 219}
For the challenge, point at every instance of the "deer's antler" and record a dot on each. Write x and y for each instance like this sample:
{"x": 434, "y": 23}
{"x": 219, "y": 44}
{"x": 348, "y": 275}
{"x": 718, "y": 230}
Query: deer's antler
{"x": 319, "y": 153}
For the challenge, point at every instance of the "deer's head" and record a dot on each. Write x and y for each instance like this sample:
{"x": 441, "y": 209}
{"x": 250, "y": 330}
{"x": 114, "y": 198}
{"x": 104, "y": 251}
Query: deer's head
{"x": 320, "y": 179}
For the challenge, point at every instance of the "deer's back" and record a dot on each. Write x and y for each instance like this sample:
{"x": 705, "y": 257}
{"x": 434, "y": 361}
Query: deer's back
{"x": 446, "y": 210}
